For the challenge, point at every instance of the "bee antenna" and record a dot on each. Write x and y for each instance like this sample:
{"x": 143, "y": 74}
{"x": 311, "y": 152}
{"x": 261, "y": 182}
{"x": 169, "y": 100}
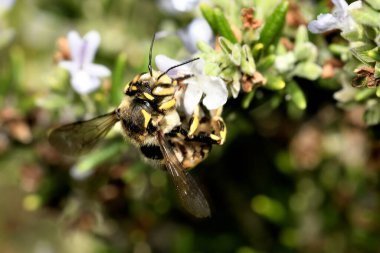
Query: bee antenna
{"x": 176, "y": 66}
{"x": 150, "y": 55}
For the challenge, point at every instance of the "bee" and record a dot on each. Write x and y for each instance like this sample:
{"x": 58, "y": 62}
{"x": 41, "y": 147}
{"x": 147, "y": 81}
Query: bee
{"x": 150, "y": 120}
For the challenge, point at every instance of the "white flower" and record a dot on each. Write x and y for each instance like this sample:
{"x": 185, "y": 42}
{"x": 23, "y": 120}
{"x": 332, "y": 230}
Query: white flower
{"x": 84, "y": 74}
{"x": 197, "y": 30}
{"x": 340, "y": 18}
{"x": 5, "y": 5}
{"x": 211, "y": 90}
{"x": 178, "y": 6}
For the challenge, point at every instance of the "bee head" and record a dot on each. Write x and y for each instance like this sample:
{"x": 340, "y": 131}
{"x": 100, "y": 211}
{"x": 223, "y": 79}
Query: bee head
{"x": 154, "y": 85}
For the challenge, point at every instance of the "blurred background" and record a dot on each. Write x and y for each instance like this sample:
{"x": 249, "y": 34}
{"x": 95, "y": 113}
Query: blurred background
{"x": 281, "y": 183}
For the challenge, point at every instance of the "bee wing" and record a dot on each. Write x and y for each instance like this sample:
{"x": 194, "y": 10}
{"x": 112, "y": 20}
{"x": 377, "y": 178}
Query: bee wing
{"x": 81, "y": 136}
{"x": 186, "y": 187}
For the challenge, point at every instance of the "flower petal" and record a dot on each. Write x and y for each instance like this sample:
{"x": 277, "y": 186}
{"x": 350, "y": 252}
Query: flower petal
{"x": 175, "y": 6}
{"x": 75, "y": 45}
{"x": 184, "y": 5}
{"x": 97, "y": 70}
{"x": 6, "y": 5}
{"x": 197, "y": 67}
{"x": 355, "y": 5}
{"x": 324, "y": 22}
{"x": 83, "y": 83}
{"x": 70, "y": 66}
{"x": 216, "y": 92}
{"x": 340, "y": 5}
{"x": 197, "y": 30}
{"x": 163, "y": 63}
{"x": 192, "y": 96}
{"x": 91, "y": 43}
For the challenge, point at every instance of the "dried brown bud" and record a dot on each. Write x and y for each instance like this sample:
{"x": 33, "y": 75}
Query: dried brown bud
{"x": 248, "y": 82}
{"x": 248, "y": 19}
{"x": 294, "y": 16}
{"x": 63, "y": 52}
{"x": 365, "y": 76}
{"x": 329, "y": 66}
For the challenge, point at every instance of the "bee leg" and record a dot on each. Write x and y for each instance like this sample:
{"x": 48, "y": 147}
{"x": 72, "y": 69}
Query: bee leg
{"x": 214, "y": 133}
{"x": 193, "y": 123}
{"x": 218, "y": 126}
{"x": 203, "y": 137}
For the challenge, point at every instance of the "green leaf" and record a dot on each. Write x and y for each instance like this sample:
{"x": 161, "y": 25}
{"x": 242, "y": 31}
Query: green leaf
{"x": 269, "y": 208}
{"x": 88, "y": 163}
{"x": 301, "y": 36}
{"x": 361, "y": 53}
{"x": 208, "y": 14}
{"x": 204, "y": 47}
{"x": 366, "y": 16}
{"x": 225, "y": 45}
{"x": 117, "y": 79}
{"x": 275, "y": 101}
{"x": 211, "y": 69}
{"x": 338, "y": 49}
{"x": 296, "y": 95}
{"x": 266, "y": 62}
{"x": 303, "y": 49}
{"x": 308, "y": 70}
{"x": 377, "y": 70}
{"x": 372, "y": 113}
{"x": 364, "y": 93}
{"x": 275, "y": 83}
{"x": 248, "y": 99}
{"x": 236, "y": 55}
{"x": 378, "y": 91}
{"x": 257, "y": 49}
{"x": 306, "y": 52}
{"x": 274, "y": 23}
{"x": 354, "y": 35}
{"x": 375, "y": 4}
{"x": 374, "y": 53}
{"x": 223, "y": 27}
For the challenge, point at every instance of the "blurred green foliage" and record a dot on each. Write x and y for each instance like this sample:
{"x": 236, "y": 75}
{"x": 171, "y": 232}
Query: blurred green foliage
{"x": 299, "y": 171}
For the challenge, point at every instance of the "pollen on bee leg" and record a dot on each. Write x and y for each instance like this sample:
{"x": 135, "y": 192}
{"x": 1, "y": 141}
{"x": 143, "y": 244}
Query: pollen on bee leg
{"x": 220, "y": 129}
{"x": 194, "y": 122}
{"x": 218, "y": 125}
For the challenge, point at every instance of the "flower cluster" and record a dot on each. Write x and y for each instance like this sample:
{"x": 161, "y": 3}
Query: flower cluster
{"x": 340, "y": 18}
{"x": 358, "y": 22}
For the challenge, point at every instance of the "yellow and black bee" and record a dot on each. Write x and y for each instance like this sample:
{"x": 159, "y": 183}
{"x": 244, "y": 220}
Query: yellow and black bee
{"x": 151, "y": 121}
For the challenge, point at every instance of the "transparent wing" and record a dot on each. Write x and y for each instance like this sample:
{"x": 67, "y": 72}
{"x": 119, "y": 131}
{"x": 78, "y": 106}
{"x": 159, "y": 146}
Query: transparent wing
{"x": 79, "y": 137}
{"x": 187, "y": 188}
